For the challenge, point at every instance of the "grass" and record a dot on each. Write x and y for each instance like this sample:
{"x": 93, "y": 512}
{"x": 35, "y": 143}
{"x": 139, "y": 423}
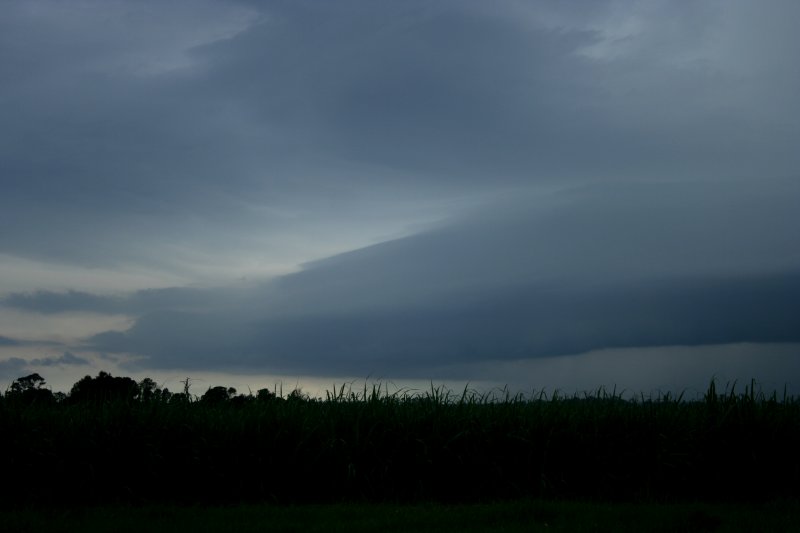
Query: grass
{"x": 516, "y": 516}
{"x": 370, "y": 446}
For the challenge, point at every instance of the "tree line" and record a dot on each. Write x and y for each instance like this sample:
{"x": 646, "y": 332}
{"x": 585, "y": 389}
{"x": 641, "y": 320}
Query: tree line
{"x": 104, "y": 388}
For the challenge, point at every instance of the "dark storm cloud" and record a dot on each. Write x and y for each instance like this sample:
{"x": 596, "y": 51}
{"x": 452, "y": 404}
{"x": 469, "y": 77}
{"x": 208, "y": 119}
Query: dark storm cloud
{"x": 591, "y": 269}
{"x": 12, "y": 368}
{"x": 430, "y": 88}
{"x": 135, "y": 129}
{"x": 66, "y": 359}
{"x": 7, "y": 341}
{"x": 137, "y": 303}
{"x": 469, "y": 93}
{"x": 55, "y": 302}
{"x": 517, "y": 323}
{"x": 527, "y": 322}
{"x": 634, "y": 165}
{"x": 15, "y": 367}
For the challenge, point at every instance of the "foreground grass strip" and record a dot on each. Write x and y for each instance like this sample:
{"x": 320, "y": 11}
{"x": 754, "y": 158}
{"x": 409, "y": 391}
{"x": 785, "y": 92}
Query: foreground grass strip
{"x": 380, "y": 447}
{"x": 352, "y": 518}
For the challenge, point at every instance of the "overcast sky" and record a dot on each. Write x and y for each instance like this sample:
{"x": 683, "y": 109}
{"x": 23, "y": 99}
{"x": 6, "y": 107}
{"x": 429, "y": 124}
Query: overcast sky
{"x": 542, "y": 194}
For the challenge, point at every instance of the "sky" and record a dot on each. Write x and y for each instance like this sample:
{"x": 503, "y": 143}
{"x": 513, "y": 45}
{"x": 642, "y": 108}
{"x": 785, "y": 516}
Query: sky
{"x": 533, "y": 194}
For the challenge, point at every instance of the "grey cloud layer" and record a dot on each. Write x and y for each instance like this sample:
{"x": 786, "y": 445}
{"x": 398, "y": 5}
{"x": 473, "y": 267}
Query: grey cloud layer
{"x": 136, "y": 130}
{"x": 137, "y": 303}
{"x": 7, "y": 341}
{"x": 634, "y": 163}
{"x": 15, "y": 367}
{"x": 592, "y": 268}
{"x": 66, "y": 358}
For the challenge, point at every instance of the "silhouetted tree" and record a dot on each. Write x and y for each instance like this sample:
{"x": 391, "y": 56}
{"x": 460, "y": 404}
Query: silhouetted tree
{"x": 297, "y": 395}
{"x": 179, "y": 397}
{"x": 165, "y": 395}
{"x": 32, "y": 381}
{"x": 29, "y": 389}
{"x": 148, "y": 390}
{"x": 265, "y": 395}
{"x": 104, "y": 388}
{"x": 218, "y": 394}
{"x": 242, "y": 399}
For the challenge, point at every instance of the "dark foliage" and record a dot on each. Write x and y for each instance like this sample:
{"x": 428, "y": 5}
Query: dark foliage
{"x": 103, "y": 389}
{"x": 265, "y": 395}
{"x": 217, "y": 395}
{"x": 135, "y": 447}
{"x": 30, "y": 390}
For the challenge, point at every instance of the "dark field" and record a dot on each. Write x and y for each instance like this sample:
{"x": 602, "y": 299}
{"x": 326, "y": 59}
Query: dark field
{"x": 507, "y": 517}
{"x": 372, "y": 447}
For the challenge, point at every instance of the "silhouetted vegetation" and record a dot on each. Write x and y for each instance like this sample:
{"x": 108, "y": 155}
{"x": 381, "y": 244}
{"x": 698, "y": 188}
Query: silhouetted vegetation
{"x": 30, "y": 390}
{"x": 522, "y": 516}
{"x": 112, "y": 440}
{"x": 218, "y": 395}
{"x": 104, "y": 389}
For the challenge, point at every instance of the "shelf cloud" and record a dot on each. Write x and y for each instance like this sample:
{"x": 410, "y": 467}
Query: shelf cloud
{"x": 398, "y": 188}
